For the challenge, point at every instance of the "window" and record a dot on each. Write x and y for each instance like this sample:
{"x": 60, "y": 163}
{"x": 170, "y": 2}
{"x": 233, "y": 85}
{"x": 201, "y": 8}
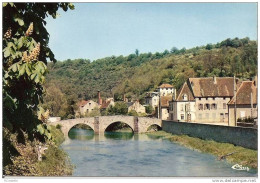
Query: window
{"x": 221, "y": 116}
{"x": 206, "y": 107}
{"x": 214, "y": 106}
{"x": 184, "y": 97}
{"x": 182, "y": 116}
{"x": 200, "y": 116}
{"x": 187, "y": 107}
{"x": 200, "y": 106}
{"x": 206, "y": 98}
{"x": 199, "y": 98}
{"x": 207, "y": 115}
{"x": 226, "y": 115}
{"x": 224, "y": 105}
{"x": 89, "y": 103}
{"x": 213, "y": 98}
{"x": 181, "y": 107}
{"x": 87, "y": 110}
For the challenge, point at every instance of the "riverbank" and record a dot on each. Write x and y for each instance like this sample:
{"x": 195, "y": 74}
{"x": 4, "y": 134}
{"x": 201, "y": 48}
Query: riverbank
{"x": 242, "y": 156}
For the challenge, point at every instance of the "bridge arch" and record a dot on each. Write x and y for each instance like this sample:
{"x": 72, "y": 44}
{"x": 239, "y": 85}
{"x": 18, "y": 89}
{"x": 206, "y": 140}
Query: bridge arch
{"x": 110, "y": 127}
{"x": 106, "y": 121}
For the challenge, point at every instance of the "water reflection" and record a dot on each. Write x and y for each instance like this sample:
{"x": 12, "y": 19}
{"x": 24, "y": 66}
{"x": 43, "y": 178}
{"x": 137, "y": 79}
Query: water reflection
{"x": 119, "y": 135}
{"x": 81, "y": 134}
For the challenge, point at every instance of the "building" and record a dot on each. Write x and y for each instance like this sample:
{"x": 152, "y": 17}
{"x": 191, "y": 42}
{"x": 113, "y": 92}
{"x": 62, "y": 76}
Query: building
{"x": 244, "y": 103}
{"x": 107, "y": 103}
{"x": 136, "y": 106}
{"x": 164, "y": 107}
{"x": 166, "y": 89}
{"x": 152, "y": 98}
{"x": 212, "y": 95}
{"x": 183, "y": 107}
{"x": 86, "y": 107}
{"x": 204, "y": 100}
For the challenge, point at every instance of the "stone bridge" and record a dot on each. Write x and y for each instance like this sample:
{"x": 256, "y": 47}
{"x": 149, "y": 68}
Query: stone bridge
{"x": 99, "y": 124}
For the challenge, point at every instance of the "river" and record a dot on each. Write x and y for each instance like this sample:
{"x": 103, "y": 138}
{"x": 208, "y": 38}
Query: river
{"x": 128, "y": 154}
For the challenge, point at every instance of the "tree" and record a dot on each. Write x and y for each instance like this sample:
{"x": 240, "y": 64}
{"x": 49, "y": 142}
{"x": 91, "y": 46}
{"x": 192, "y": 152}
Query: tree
{"x": 119, "y": 108}
{"x": 25, "y": 53}
{"x": 209, "y": 46}
{"x": 149, "y": 109}
{"x": 137, "y": 52}
{"x": 174, "y": 50}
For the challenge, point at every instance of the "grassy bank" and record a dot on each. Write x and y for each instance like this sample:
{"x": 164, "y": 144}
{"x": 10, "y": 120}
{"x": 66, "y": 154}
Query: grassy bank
{"x": 241, "y": 155}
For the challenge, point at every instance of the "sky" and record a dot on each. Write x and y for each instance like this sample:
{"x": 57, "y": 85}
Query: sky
{"x": 98, "y": 30}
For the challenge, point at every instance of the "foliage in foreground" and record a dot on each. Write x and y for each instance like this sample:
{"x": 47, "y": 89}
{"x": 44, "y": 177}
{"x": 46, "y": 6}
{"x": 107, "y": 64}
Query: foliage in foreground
{"x": 25, "y": 55}
{"x": 55, "y": 162}
{"x": 243, "y": 156}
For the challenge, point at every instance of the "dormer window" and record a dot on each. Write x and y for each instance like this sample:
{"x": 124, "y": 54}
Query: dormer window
{"x": 185, "y": 97}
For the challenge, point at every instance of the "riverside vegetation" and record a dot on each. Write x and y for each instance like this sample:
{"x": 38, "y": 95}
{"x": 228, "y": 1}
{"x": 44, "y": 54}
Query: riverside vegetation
{"x": 241, "y": 155}
{"x": 30, "y": 145}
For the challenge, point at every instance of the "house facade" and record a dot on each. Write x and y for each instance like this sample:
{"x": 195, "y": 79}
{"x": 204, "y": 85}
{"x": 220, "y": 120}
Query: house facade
{"x": 244, "y": 103}
{"x": 204, "y": 100}
{"x": 136, "y": 106}
{"x": 183, "y": 107}
{"x": 164, "y": 107}
{"x": 152, "y": 98}
{"x": 86, "y": 107}
{"x": 166, "y": 89}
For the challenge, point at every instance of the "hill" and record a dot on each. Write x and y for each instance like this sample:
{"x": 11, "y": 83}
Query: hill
{"x": 136, "y": 74}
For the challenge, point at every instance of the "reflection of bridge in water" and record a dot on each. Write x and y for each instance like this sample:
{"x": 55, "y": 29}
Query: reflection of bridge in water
{"x": 100, "y": 123}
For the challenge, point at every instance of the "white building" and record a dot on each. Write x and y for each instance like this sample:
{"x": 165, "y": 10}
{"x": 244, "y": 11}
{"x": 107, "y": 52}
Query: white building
{"x": 166, "y": 89}
{"x": 183, "y": 107}
{"x": 86, "y": 107}
{"x": 152, "y": 98}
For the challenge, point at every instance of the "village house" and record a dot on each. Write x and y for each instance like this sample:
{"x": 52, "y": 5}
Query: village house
{"x": 136, "y": 106}
{"x": 211, "y": 96}
{"x": 152, "y": 99}
{"x": 182, "y": 108}
{"x": 166, "y": 89}
{"x": 86, "y": 107}
{"x": 107, "y": 103}
{"x": 164, "y": 107}
{"x": 244, "y": 103}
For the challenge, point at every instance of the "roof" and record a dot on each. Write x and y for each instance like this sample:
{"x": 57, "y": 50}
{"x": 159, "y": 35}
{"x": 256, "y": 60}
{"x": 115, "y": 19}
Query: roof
{"x": 165, "y": 100}
{"x": 105, "y": 104}
{"x": 166, "y": 86}
{"x": 82, "y": 102}
{"x": 206, "y": 87}
{"x": 185, "y": 90}
{"x": 243, "y": 95}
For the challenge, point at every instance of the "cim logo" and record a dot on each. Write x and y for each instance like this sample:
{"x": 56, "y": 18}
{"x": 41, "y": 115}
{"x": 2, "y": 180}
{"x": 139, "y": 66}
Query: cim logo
{"x": 239, "y": 167}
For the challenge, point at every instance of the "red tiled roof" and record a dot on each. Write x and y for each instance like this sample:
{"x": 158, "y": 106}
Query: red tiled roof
{"x": 166, "y": 86}
{"x": 165, "y": 100}
{"x": 185, "y": 90}
{"x": 243, "y": 95}
{"x": 205, "y": 87}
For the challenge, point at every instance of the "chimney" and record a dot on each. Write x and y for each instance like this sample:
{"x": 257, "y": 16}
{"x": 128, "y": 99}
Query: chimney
{"x": 175, "y": 94}
{"x": 99, "y": 98}
{"x": 215, "y": 79}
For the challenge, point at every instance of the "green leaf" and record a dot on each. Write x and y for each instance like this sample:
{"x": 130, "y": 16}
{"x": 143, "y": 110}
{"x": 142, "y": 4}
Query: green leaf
{"x": 48, "y": 135}
{"x": 4, "y": 4}
{"x": 22, "y": 70}
{"x": 18, "y": 19}
{"x": 71, "y": 6}
{"x": 14, "y": 67}
{"x": 20, "y": 42}
{"x": 28, "y": 70}
{"x": 6, "y": 52}
{"x": 40, "y": 129}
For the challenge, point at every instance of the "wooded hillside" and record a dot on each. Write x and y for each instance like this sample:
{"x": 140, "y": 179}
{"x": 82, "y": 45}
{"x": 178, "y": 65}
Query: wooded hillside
{"x": 137, "y": 74}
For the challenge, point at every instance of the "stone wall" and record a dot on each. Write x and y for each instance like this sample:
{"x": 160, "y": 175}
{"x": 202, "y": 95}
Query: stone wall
{"x": 245, "y": 137}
